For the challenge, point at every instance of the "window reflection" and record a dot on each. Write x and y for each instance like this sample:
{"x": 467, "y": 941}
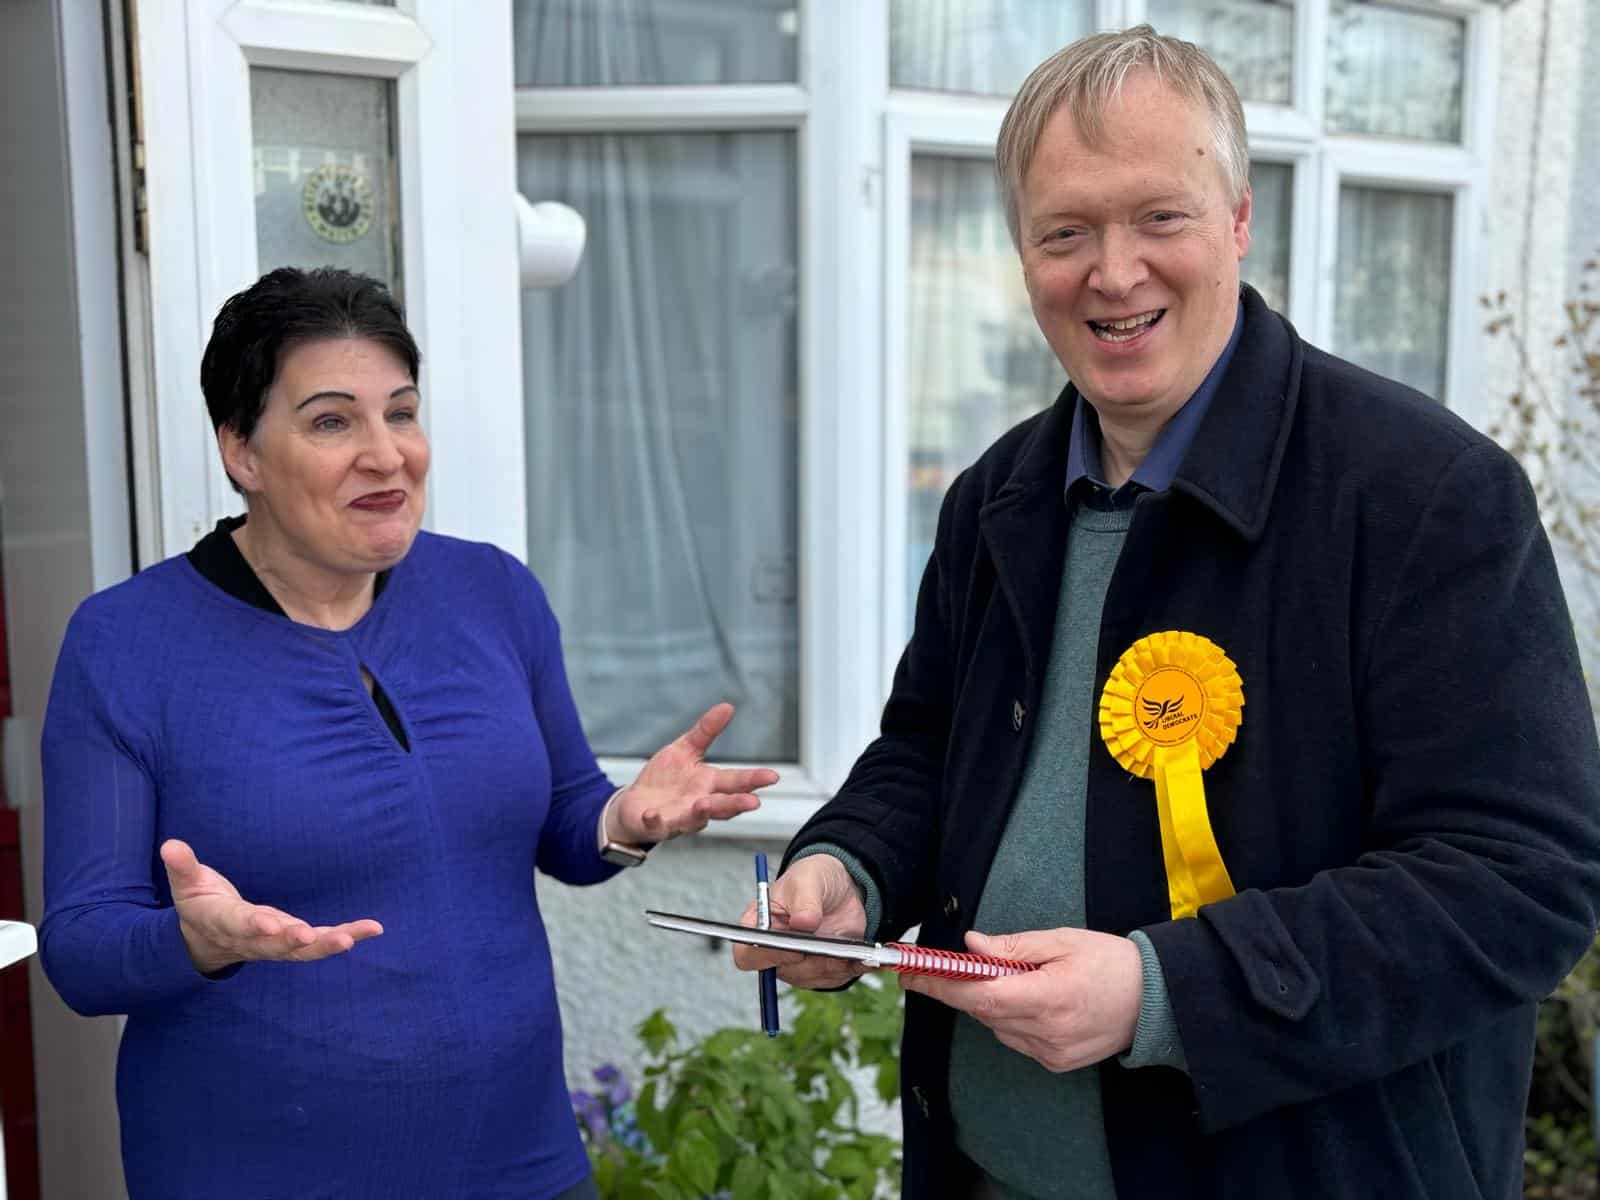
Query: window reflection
{"x": 986, "y": 47}
{"x": 663, "y": 451}
{"x": 1266, "y": 267}
{"x": 976, "y": 361}
{"x": 563, "y": 43}
{"x": 1252, "y": 40}
{"x": 324, "y": 172}
{"x": 1392, "y": 302}
{"x": 1394, "y": 72}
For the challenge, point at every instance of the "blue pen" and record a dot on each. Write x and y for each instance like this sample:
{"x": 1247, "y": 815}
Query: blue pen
{"x": 769, "y": 977}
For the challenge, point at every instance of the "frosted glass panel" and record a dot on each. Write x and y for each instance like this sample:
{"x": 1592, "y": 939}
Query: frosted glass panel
{"x": 598, "y": 42}
{"x": 976, "y": 362}
{"x": 661, "y": 388}
{"x": 324, "y": 172}
{"x": 1252, "y": 40}
{"x": 1391, "y": 308}
{"x": 1394, "y": 73}
{"x": 986, "y": 47}
{"x": 1266, "y": 267}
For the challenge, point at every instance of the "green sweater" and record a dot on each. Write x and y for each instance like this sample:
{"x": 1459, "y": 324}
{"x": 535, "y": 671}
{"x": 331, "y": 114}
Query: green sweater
{"x": 1037, "y": 1134}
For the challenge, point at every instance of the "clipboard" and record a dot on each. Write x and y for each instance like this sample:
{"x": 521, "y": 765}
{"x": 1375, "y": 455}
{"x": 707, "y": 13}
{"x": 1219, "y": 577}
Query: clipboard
{"x": 877, "y": 956}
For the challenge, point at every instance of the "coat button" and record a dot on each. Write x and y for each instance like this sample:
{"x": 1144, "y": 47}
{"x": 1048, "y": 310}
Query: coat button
{"x": 952, "y": 908}
{"x": 1018, "y": 712}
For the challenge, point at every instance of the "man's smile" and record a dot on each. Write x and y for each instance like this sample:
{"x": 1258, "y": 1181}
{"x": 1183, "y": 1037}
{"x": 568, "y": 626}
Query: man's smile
{"x": 1125, "y": 329}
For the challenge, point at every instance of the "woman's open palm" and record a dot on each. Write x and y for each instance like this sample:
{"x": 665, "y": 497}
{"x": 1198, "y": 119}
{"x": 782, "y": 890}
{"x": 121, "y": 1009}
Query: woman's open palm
{"x": 220, "y": 927}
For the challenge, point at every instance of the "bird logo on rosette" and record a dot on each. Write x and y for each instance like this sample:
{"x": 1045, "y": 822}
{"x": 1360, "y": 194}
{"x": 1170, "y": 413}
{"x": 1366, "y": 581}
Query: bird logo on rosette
{"x": 1155, "y": 710}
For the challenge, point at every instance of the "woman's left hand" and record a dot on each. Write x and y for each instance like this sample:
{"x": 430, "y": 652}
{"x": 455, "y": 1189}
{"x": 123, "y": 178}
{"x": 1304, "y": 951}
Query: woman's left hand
{"x": 678, "y": 792}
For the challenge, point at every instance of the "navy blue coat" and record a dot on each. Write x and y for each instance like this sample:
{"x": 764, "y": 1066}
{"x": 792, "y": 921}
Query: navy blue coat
{"x": 1409, "y": 814}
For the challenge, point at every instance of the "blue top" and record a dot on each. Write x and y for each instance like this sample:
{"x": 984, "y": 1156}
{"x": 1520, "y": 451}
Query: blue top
{"x": 1160, "y": 465}
{"x": 425, "y": 1062}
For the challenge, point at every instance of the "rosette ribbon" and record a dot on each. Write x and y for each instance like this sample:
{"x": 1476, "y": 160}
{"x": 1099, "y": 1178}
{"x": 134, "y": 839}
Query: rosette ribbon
{"x": 1170, "y": 708}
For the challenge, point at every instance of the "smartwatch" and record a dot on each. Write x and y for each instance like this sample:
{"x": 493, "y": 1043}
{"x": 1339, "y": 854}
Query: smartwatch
{"x": 618, "y": 854}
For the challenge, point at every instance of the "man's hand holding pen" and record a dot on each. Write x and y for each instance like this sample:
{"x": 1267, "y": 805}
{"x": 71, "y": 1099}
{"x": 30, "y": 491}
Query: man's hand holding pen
{"x": 815, "y": 895}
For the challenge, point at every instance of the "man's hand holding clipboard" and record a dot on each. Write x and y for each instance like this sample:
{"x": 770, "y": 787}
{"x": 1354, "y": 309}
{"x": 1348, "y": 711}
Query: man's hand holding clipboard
{"x": 1079, "y": 1007}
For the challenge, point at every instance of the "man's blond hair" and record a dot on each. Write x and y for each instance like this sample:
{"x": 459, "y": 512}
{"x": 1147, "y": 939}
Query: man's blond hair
{"x": 1087, "y": 76}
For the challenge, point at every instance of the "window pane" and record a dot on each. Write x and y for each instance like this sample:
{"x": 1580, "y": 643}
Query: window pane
{"x": 1391, "y": 309}
{"x": 324, "y": 172}
{"x": 982, "y": 46}
{"x": 559, "y": 43}
{"x": 1266, "y": 267}
{"x": 1252, "y": 40}
{"x": 977, "y": 363}
{"x": 1394, "y": 73}
{"x": 661, "y": 395}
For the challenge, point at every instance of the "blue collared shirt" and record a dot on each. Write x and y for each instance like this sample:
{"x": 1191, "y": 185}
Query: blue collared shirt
{"x": 1156, "y": 472}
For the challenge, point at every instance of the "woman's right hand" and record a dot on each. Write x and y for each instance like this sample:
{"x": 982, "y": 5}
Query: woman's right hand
{"x": 221, "y": 928}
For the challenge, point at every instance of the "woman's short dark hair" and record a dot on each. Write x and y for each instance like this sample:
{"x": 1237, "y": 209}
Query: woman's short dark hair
{"x": 283, "y": 309}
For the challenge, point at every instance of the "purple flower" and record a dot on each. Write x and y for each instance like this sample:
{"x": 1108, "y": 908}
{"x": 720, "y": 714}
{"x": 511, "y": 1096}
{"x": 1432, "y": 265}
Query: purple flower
{"x": 606, "y": 1074}
{"x": 592, "y": 1113}
{"x": 620, "y": 1093}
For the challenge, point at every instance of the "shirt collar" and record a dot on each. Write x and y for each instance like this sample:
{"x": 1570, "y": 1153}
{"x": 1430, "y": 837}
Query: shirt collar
{"x": 1156, "y": 472}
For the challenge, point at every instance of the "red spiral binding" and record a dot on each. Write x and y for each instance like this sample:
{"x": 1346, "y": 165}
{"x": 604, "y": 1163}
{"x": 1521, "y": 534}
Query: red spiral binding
{"x": 954, "y": 964}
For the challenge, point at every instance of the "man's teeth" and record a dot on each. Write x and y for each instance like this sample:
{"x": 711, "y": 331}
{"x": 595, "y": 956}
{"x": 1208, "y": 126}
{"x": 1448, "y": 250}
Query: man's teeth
{"x": 1125, "y": 329}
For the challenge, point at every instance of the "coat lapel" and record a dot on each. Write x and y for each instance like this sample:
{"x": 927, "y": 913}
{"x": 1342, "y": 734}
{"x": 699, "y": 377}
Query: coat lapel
{"x": 1233, "y": 463}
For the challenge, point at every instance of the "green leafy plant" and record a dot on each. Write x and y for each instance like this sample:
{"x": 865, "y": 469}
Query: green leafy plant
{"x": 741, "y": 1116}
{"x": 1551, "y": 424}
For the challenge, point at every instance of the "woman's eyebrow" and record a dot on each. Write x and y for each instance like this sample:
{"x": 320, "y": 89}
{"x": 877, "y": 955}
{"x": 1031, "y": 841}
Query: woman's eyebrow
{"x": 332, "y": 395}
{"x": 324, "y": 396}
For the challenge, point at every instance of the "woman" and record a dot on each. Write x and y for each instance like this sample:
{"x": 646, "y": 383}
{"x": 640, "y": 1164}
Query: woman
{"x": 297, "y": 782}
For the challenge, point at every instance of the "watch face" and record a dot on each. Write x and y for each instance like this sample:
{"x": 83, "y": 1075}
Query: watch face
{"x": 622, "y": 856}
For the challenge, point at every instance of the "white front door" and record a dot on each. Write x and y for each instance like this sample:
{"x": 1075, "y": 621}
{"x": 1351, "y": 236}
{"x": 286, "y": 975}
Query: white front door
{"x": 374, "y": 136}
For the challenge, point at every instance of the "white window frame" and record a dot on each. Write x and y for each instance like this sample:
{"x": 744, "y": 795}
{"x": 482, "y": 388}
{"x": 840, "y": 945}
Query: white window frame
{"x": 452, "y": 70}
{"x": 1460, "y": 172}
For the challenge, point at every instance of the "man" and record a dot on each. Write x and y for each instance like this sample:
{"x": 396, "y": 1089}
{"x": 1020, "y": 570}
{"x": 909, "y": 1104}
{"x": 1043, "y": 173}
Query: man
{"x": 1391, "y": 843}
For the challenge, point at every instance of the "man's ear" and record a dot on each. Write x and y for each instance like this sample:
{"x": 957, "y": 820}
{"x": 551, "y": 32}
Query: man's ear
{"x": 238, "y": 458}
{"x": 1241, "y": 223}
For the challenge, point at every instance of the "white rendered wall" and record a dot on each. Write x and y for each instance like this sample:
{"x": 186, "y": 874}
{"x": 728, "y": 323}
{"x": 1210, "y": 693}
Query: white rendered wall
{"x": 1543, "y": 216}
{"x": 1585, "y": 198}
{"x": 1543, "y": 175}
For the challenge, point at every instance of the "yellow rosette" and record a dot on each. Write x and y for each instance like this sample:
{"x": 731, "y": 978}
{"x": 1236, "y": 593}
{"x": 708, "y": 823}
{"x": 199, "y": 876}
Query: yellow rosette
{"x": 1169, "y": 710}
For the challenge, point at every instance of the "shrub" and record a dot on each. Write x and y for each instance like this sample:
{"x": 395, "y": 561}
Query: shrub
{"x": 742, "y": 1116}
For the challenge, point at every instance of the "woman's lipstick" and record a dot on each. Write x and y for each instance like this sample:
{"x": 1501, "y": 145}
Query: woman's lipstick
{"x": 380, "y": 502}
